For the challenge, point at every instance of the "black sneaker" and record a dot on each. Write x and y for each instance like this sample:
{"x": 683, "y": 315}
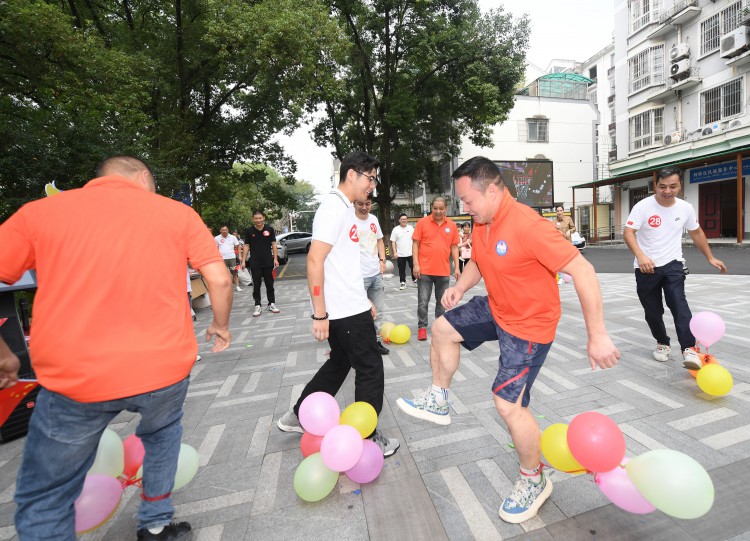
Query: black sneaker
{"x": 172, "y": 532}
{"x": 382, "y": 349}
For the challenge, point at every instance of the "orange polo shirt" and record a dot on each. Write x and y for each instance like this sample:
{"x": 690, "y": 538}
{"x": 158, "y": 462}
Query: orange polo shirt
{"x": 435, "y": 243}
{"x": 111, "y": 317}
{"x": 518, "y": 255}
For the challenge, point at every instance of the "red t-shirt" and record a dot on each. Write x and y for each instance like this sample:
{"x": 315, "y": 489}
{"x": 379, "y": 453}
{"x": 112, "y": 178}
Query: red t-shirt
{"x": 111, "y": 318}
{"x": 435, "y": 243}
{"x": 519, "y": 254}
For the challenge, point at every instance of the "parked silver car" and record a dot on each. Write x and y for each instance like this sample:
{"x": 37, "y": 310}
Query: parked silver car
{"x": 296, "y": 241}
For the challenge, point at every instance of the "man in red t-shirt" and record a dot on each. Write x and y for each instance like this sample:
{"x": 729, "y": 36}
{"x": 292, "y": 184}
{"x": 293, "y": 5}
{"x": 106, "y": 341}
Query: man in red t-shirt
{"x": 434, "y": 242}
{"x": 111, "y": 332}
{"x": 518, "y": 253}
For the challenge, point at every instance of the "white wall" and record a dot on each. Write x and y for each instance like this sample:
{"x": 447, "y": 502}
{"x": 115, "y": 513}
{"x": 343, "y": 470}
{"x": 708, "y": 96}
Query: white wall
{"x": 570, "y": 146}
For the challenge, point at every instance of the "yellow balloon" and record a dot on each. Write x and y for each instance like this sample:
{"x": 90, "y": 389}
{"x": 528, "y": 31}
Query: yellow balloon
{"x": 715, "y": 380}
{"x": 556, "y": 451}
{"x": 400, "y": 334}
{"x": 386, "y": 329}
{"x": 51, "y": 189}
{"x": 361, "y": 416}
{"x": 110, "y": 455}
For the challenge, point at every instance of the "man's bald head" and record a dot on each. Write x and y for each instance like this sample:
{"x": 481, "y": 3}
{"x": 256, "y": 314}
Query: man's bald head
{"x": 128, "y": 167}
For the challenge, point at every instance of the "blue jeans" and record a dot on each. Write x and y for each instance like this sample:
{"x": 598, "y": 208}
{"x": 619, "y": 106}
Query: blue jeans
{"x": 61, "y": 447}
{"x": 670, "y": 279}
{"x": 424, "y": 290}
{"x": 375, "y": 289}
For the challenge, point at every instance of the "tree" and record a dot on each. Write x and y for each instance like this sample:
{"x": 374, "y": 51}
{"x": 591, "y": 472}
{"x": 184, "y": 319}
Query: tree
{"x": 193, "y": 86}
{"x": 419, "y": 75}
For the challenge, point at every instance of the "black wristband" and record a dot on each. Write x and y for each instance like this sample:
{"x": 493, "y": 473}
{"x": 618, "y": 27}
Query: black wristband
{"x": 323, "y": 318}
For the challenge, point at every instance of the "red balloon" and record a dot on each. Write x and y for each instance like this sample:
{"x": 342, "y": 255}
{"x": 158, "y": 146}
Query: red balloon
{"x": 596, "y": 441}
{"x": 134, "y": 453}
{"x": 310, "y": 444}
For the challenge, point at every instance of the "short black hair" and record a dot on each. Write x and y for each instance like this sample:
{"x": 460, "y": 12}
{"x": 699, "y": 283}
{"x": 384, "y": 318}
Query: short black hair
{"x": 259, "y": 212}
{"x": 668, "y": 172}
{"x": 559, "y": 207}
{"x": 359, "y": 161}
{"x": 402, "y": 215}
{"x": 123, "y": 164}
{"x": 482, "y": 172}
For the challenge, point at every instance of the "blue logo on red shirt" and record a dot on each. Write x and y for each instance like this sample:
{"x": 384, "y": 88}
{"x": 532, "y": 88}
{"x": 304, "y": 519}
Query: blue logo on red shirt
{"x": 447, "y": 229}
{"x": 501, "y": 247}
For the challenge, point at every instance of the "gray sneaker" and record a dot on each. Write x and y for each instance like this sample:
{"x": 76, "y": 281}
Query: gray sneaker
{"x": 290, "y": 423}
{"x": 426, "y": 408}
{"x": 525, "y": 500}
{"x": 388, "y": 445}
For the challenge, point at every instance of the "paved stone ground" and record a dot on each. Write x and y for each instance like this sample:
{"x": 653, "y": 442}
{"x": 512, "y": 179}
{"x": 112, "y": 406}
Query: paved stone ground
{"x": 447, "y": 482}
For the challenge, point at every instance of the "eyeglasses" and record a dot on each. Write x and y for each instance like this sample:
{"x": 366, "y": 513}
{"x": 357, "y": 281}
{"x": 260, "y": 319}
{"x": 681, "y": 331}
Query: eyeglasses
{"x": 372, "y": 178}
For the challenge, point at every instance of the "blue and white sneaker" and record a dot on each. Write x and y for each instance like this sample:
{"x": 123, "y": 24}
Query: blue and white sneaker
{"x": 525, "y": 500}
{"x": 426, "y": 408}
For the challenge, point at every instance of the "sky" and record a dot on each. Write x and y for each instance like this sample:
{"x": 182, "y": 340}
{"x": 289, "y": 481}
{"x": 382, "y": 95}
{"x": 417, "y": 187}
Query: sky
{"x": 572, "y": 29}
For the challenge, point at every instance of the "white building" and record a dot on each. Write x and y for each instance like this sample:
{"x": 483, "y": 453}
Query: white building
{"x": 680, "y": 99}
{"x": 554, "y": 120}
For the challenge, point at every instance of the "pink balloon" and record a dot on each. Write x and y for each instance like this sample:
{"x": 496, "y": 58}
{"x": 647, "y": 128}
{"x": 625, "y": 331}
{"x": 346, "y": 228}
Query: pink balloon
{"x": 341, "y": 448}
{"x": 134, "y": 453}
{"x": 567, "y": 278}
{"x": 318, "y": 413}
{"x": 370, "y": 464}
{"x": 596, "y": 441}
{"x": 707, "y": 327}
{"x": 617, "y": 486}
{"x": 98, "y": 501}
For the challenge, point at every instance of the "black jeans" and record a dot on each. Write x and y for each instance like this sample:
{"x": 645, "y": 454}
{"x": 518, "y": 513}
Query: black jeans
{"x": 670, "y": 279}
{"x": 402, "y": 261}
{"x": 267, "y": 274}
{"x": 353, "y": 345}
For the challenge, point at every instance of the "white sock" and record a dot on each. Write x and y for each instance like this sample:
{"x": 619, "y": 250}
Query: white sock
{"x": 156, "y": 531}
{"x": 441, "y": 395}
{"x": 534, "y": 475}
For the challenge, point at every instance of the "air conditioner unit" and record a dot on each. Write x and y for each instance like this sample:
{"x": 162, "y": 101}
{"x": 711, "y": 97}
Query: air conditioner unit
{"x": 735, "y": 42}
{"x": 679, "y": 51}
{"x": 712, "y": 129}
{"x": 678, "y": 68}
{"x": 734, "y": 124}
{"x": 673, "y": 138}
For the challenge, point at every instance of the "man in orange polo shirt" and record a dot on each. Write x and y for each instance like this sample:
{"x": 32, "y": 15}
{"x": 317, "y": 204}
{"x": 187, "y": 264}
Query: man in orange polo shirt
{"x": 518, "y": 253}
{"x": 434, "y": 241}
{"x": 111, "y": 332}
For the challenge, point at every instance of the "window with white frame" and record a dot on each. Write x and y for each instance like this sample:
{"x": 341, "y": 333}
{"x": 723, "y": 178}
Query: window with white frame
{"x": 722, "y": 102}
{"x": 646, "y": 68}
{"x": 642, "y": 12}
{"x": 646, "y": 129}
{"x": 718, "y": 25}
{"x": 537, "y": 130}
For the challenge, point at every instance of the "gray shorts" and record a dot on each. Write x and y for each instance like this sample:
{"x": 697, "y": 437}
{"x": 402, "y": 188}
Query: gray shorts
{"x": 520, "y": 360}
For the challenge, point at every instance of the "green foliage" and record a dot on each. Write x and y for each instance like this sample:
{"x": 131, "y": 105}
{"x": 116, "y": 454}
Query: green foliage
{"x": 193, "y": 86}
{"x": 418, "y": 76}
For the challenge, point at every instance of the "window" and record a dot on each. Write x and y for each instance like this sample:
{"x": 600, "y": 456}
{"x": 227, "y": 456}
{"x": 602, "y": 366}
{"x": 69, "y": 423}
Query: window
{"x": 722, "y": 102}
{"x": 646, "y": 129}
{"x": 646, "y": 68}
{"x": 537, "y": 130}
{"x": 642, "y": 12}
{"x": 718, "y": 25}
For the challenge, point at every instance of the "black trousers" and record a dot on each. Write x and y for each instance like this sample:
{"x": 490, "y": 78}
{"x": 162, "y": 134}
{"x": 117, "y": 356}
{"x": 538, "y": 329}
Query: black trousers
{"x": 402, "y": 261}
{"x": 267, "y": 274}
{"x": 353, "y": 345}
{"x": 670, "y": 279}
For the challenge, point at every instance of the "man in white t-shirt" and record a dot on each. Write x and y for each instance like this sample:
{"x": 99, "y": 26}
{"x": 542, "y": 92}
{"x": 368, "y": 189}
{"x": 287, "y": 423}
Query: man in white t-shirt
{"x": 341, "y": 312}
{"x": 659, "y": 221}
{"x": 402, "y": 249}
{"x": 371, "y": 259}
{"x": 226, "y": 244}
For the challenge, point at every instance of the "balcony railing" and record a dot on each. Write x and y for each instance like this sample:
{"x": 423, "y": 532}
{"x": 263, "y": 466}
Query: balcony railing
{"x": 678, "y": 7}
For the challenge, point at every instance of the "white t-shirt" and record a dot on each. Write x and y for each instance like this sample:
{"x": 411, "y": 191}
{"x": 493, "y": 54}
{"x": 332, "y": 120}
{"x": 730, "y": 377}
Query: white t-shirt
{"x": 335, "y": 224}
{"x": 402, "y": 237}
{"x": 226, "y": 245}
{"x": 369, "y": 232}
{"x": 659, "y": 229}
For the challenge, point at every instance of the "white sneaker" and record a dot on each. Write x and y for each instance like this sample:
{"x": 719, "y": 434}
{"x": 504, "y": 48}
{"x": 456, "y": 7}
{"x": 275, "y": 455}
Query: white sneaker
{"x": 403, "y": 286}
{"x": 662, "y": 353}
{"x": 691, "y": 356}
{"x": 239, "y": 288}
{"x": 258, "y": 310}
{"x": 272, "y": 308}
